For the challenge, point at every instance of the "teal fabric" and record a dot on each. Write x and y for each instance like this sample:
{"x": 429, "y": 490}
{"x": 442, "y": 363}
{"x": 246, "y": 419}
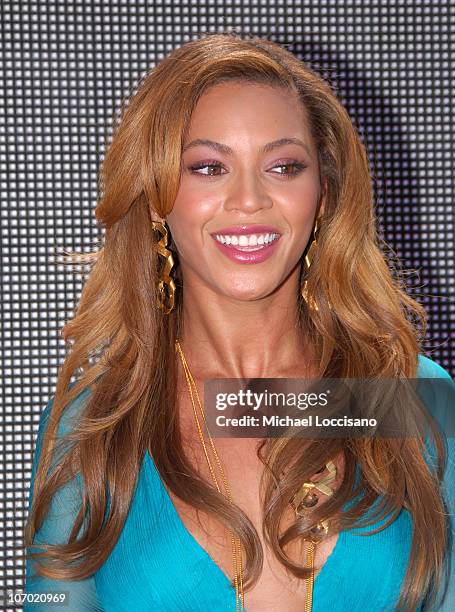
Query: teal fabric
{"x": 158, "y": 565}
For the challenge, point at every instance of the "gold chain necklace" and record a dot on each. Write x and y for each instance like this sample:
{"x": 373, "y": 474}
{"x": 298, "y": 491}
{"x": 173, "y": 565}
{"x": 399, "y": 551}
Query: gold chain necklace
{"x": 235, "y": 542}
{"x": 304, "y": 498}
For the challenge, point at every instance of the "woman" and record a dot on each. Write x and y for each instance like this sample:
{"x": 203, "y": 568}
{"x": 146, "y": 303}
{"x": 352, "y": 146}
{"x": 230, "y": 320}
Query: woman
{"x": 240, "y": 242}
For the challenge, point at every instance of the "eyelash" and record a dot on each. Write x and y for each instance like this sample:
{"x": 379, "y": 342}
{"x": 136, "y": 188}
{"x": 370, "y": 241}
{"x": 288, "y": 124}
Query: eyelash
{"x": 215, "y": 164}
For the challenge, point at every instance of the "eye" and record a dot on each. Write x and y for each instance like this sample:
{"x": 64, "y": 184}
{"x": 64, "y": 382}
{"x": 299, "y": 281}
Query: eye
{"x": 289, "y": 168}
{"x": 211, "y": 168}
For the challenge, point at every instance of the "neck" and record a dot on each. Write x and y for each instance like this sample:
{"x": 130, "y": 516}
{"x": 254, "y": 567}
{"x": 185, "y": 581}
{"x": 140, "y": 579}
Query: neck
{"x": 228, "y": 338}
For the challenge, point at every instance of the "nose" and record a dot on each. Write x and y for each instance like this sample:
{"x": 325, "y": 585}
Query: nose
{"x": 247, "y": 193}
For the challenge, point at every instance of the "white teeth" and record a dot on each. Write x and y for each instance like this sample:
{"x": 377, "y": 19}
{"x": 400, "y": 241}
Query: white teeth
{"x": 246, "y": 240}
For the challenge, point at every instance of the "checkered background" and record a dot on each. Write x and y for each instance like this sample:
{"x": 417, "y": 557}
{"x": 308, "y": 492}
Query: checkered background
{"x": 65, "y": 68}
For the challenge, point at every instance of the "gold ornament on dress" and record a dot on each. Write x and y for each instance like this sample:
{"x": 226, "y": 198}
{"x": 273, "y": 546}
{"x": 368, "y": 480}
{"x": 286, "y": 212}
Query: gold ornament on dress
{"x": 304, "y": 499}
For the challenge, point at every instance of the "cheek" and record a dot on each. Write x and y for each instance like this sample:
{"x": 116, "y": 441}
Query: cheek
{"x": 300, "y": 214}
{"x": 187, "y": 221}
{"x": 300, "y": 195}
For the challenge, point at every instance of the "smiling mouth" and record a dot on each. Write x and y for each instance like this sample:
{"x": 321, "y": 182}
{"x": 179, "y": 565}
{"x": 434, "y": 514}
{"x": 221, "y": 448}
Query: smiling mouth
{"x": 247, "y": 242}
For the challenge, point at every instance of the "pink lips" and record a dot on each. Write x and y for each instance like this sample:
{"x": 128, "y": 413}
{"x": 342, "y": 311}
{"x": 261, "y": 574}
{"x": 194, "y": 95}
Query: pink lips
{"x": 247, "y": 257}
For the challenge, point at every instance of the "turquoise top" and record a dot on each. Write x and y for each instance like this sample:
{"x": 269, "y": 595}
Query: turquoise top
{"x": 158, "y": 565}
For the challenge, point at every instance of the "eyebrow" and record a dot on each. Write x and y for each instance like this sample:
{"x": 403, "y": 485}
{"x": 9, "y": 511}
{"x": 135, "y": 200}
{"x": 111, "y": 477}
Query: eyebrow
{"x": 222, "y": 148}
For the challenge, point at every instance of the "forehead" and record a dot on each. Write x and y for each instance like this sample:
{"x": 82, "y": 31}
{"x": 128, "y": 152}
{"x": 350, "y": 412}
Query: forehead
{"x": 234, "y": 109}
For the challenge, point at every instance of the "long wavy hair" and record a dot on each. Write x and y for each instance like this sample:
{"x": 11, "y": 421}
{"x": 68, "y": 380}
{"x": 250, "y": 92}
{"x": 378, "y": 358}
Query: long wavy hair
{"x": 123, "y": 348}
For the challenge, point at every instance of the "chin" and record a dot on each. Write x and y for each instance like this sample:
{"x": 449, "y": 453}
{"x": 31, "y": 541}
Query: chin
{"x": 247, "y": 294}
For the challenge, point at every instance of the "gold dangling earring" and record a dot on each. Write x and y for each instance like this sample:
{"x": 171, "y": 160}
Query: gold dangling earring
{"x": 165, "y": 302}
{"x": 308, "y": 259}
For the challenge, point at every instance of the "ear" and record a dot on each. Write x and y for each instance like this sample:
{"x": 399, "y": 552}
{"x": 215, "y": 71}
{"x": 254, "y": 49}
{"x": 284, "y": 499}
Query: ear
{"x": 156, "y": 217}
{"x": 322, "y": 199}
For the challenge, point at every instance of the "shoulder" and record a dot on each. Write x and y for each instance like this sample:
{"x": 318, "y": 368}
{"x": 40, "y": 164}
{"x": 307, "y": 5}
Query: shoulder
{"x": 71, "y": 412}
{"x": 437, "y": 391}
{"x": 436, "y": 388}
{"x": 427, "y": 368}
{"x": 67, "y": 422}
{"x": 70, "y": 415}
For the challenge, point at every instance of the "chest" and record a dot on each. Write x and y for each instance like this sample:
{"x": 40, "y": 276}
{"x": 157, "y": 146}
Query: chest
{"x": 158, "y": 562}
{"x": 276, "y": 588}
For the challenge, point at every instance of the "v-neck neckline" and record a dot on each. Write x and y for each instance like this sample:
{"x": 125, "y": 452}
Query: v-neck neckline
{"x": 332, "y": 559}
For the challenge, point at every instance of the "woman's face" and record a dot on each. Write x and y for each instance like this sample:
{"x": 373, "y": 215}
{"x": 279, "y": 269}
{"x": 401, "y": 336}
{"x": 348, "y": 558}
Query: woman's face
{"x": 249, "y": 190}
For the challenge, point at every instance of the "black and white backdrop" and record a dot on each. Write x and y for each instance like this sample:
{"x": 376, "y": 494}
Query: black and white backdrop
{"x": 66, "y": 67}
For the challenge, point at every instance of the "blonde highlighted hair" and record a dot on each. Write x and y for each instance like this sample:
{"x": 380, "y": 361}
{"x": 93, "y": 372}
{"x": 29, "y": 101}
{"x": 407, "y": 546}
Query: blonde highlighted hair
{"x": 122, "y": 347}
